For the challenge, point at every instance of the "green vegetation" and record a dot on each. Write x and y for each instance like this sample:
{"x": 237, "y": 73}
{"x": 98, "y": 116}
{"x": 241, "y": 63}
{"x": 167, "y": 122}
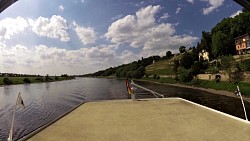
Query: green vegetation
{"x": 227, "y": 86}
{"x": 184, "y": 67}
{"x": 22, "y": 80}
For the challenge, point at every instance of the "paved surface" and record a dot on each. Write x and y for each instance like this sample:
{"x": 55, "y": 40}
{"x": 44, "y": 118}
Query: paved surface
{"x": 145, "y": 120}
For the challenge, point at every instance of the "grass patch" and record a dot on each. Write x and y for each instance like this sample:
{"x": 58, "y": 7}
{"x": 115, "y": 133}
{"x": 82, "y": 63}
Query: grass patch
{"x": 167, "y": 71}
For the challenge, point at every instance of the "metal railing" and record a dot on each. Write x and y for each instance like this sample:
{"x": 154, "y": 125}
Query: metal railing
{"x": 157, "y": 95}
{"x": 238, "y": 93}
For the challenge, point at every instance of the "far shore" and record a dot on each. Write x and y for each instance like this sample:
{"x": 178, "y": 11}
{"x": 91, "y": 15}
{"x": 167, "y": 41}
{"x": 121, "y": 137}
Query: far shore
{"x": 39, "y": 79}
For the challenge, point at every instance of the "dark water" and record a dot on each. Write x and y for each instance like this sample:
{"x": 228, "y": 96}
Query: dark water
{"x": 230, "y": 105}
{"x": 46, "y": 101}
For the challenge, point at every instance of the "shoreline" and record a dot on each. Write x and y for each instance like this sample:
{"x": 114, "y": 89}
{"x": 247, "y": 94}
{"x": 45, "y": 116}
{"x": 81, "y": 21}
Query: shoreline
{"x": 35, "y": 82}
{"x": 213, "y": 91}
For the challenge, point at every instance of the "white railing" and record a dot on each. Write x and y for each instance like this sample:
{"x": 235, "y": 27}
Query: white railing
{"x": 157, "y": 95}
{"x": 238, "y": 93}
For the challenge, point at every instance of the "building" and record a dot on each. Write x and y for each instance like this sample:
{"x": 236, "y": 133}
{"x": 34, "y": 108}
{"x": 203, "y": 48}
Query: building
{"x": 204, "y": 55}
{"x": 242, "y": 44}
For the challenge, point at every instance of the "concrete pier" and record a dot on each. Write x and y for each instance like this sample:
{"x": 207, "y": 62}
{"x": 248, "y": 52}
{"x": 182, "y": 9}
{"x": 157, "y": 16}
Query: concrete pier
{"x": 171, "y": 119}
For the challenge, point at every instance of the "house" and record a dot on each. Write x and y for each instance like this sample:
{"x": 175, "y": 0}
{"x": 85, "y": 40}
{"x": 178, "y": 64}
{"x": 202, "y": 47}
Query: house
{"x": 242, "y": 44}
{"x": 204, "y": 55}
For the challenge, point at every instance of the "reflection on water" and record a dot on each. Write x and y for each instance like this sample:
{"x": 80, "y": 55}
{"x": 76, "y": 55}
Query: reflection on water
{"x": 46, "y": 101}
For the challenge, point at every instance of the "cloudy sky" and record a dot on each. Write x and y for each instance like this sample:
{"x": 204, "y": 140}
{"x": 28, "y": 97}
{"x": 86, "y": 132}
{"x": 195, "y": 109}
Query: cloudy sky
{"x": 83, "y": 36}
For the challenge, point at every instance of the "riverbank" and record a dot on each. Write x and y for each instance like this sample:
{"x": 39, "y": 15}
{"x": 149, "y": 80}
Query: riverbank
{"x": 206, "y": 89}
{"x": 28, "y": 80}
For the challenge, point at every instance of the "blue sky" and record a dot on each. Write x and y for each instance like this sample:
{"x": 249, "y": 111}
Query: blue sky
{"x": 83, "y": 36}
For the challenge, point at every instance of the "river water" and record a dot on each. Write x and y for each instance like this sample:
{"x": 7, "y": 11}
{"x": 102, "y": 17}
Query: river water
{"x": 46, "y": 101}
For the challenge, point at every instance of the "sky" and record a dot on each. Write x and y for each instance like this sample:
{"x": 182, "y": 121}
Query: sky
{"x": 83, "y": 36}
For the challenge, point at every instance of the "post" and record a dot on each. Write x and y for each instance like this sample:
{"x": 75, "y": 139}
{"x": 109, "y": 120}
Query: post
{"x": 12, "y": 122}
{"x": 238, "y": 89}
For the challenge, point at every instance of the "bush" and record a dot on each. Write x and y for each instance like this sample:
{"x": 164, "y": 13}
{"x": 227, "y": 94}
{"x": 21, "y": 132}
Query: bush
{"x": 26, "y": 80}
{"x": 56, "y": 78}
{"x": 7, "y": 81}
{"x": 158, "y": 77}
{"x": 154, "y": 76}
{"x": 39, "y": 79}
{"x": 185, "y": 75}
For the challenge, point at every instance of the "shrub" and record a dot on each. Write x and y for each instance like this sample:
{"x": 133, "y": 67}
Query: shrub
{"x": 7, "y": 81}
{"x": 154, "y": 76}
{"x": 39, "y": 79}
{"x": 56, "y": 78}
{"x": 26, "y": 80}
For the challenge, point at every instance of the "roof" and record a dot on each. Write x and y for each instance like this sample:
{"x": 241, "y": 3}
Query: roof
{"x": 5, "y": 4}
{"x": 169, "y": 119}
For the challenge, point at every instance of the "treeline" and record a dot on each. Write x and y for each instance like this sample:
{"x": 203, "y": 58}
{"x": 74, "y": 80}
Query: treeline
{"x": 220, "y": 44}
{"x": 135, "y": 69}
{"x": 221, "y": 40}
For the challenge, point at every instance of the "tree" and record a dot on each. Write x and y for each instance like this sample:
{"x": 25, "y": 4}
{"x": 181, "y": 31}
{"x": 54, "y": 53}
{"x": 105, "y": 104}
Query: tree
{"x": 227, "y": 63}
{"x": 182, "y": 49}
{"x": 237, "y": 74}
{"x": 7, "y": 81}
{"x": 218, "y": 45}
{"x": 185, "y": 75}
{"x": 168, "y": 54}
{"x": 26, "y": 80}
{"x": 47, "y": 78}
{"x": 176, "y": 65}
{"x": 196, "y": 68}
{"x": 186, "y": 61}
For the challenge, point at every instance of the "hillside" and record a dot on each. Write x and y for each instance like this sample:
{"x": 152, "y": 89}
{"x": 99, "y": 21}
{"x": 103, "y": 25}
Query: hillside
{"x": 162, "y": 67}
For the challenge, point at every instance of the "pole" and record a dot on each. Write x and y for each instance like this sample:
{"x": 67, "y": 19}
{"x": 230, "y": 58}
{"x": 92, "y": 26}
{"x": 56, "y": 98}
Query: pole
{"x": 242, "y": 103}
{"x": 12, "y": 122}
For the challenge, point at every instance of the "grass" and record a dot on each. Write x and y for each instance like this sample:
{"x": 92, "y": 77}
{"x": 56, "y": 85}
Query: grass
{"x": 223, "y": 85}
{"x": 19, "y": 80}
{"x": 166, "y": 71}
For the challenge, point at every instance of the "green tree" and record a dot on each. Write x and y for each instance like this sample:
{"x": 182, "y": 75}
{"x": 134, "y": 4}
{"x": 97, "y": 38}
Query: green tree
{"x": 227, "y": 62}
{"x": 168, "y": 54}
{"x": 218, "y": 45}
{"x": 176, "y": 65}
{"x": 237, "y": 74}
{"x": 7, "y": 81}
{"x": 182, "y": 49}
{"x": 196, "y": 68}
{"x": 186, "y": 61}
{"x": 47, "y": 78}
{"x": 26, "y": 80}
{"x": 185, "y": 75}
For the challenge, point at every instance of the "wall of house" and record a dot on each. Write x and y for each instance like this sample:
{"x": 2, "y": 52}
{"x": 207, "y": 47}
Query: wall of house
{"x": 224, "y": 77}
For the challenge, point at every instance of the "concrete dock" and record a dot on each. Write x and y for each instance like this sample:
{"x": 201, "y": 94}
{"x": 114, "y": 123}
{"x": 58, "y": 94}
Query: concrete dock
{"x": 171, "y": 119}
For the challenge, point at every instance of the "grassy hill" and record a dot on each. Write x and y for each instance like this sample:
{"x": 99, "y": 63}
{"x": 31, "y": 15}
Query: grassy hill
{"x": 163, "y": 67}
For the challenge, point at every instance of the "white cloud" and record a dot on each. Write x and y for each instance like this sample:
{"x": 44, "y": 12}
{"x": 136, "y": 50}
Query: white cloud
{"x": 82, "y": 1}
{"x": 177, "y": 10}
{"x": 116, "y": 17}
{"x": 235, "y": 14}
{"x": 213, "y": 5}
{"x": 191, "y": 1}
{"x": 43, "y": 60}
{"x": 55, "y": 27}
{"x": 141, "y": 30}
{"x": 9, "y": 27}
{"x": 61, "y": 8}
{"x": 165, "y": 16}
{"x": 87, "y": 35}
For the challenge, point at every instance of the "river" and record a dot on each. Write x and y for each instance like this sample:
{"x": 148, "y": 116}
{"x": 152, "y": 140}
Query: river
{"x": 46, "y": 101}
